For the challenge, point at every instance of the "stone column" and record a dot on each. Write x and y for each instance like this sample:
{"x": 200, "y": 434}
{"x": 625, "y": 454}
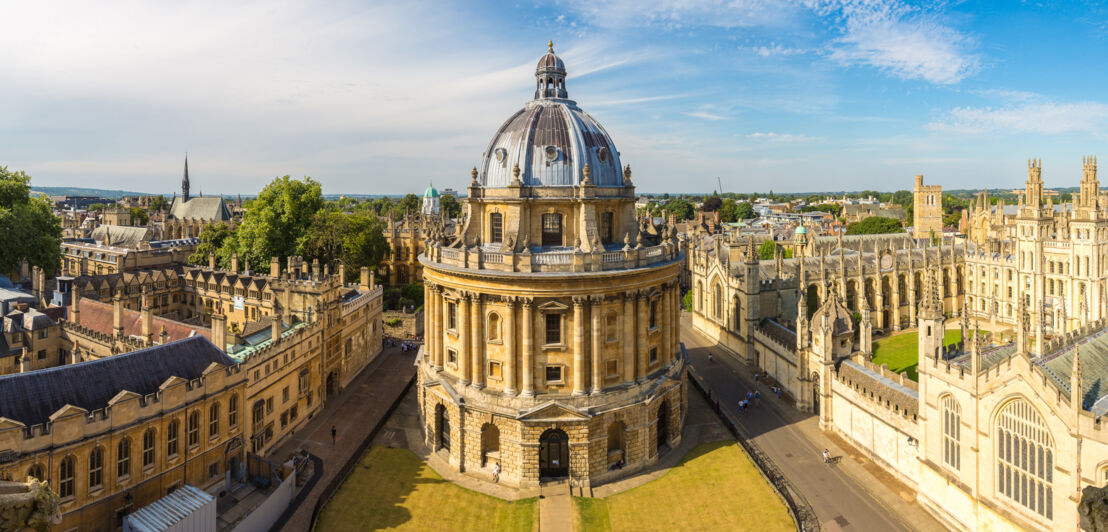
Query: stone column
{"x": 478, "y": 343}
{"x": 437, "y": 332}
{"x": 579, "y": 345}
{"x": 510, "y": 349}
{"x": 527, "y": 369}
{"x": 596, "y": 355}
{"x": 896, "y": 302}
{"x": 464, "y": 338}
{"x": 642, "y": 301}
{"x": 628, "y": 338}
{"x": 665, "y": 323}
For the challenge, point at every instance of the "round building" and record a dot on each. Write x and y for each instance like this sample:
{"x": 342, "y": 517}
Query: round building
{"x": 552, "y": 317}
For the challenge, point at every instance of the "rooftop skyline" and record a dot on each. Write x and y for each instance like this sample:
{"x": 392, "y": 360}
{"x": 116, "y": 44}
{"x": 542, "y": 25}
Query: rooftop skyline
{"x": 382, "y": 98}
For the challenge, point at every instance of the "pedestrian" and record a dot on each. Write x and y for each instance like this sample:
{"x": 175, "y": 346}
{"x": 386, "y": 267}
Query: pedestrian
{"x": 749, "y": 396}
{"x": 334, "y": 434}
{"x": 709, "y": 356}
{"x": 826, "y": 456}
{"x": 496, "y": 473}
{"x": 778, "y": 392}
{"x": 756, "y": 397}
{"x": 756, "y": 375}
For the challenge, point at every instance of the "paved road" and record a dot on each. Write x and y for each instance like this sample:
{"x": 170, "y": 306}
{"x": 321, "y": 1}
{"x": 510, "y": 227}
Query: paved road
{"x": 840, "y": 502}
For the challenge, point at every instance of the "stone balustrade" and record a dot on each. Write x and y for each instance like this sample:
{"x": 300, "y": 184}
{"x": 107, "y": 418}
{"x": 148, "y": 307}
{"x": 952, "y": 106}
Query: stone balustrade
{"x": 560, "y": 260}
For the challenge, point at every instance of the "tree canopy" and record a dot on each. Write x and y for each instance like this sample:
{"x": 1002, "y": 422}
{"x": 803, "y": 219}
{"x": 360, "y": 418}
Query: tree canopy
{"x": 681, "y": 207}
{"x": 711, "y": 204}
{"x": 31, "y": 232}
{"x": 212, "y": 238}
{"x": 874, "y": 225}
{"x": 355, "y": 239}
{"x": 159, "y": 203}
{"x": 450, "y": 206}
{"x": 139, "y": 216}
{"x": 276, "y": 224}
{"x": 765, "y": 251}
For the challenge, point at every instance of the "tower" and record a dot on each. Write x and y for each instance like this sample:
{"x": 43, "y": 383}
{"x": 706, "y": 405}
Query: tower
{"x": 430, "y": 207}
{"x": 931, "y": 328}
{"x": 185, "y": 182}
{"x": 928, "y": 209}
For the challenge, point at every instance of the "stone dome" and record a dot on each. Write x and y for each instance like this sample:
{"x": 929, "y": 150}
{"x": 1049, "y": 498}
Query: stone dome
{"x": 431, "y": 192}
{"x": 551, "y": 139}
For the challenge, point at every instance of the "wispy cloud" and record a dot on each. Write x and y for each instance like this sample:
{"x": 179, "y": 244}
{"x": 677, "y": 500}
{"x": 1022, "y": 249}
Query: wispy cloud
{"x": 707, "y": 116}
{"x": 902, "y": 40}
{"x": 782, "y": 137}
{"x": 679, "y": 14}
{"x": 777, "y": 50}
{"x": 1042, "y": 117}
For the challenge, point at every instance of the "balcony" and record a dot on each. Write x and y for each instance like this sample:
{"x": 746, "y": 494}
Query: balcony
{"x": 559, "y": 259}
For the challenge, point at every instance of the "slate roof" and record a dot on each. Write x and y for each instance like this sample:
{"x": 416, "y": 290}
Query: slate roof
{"x": 210, "y": 208}
{"x": 1094, "y": 369}
{"x": 32, "y": 397}
{"x": 29, "y": 320}
{"x": 121, "y": 236}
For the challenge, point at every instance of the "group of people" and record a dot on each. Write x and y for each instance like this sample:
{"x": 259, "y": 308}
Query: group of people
{"x": 405, "y": 345}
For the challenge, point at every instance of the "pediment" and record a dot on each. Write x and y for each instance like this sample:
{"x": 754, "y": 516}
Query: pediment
{"x": 123, "y": 395}
{"x": 553, "y": 411}
{"x": 67, "y": 411}
{"x": 8, "y": 423}
{"x": 553, "y": 306}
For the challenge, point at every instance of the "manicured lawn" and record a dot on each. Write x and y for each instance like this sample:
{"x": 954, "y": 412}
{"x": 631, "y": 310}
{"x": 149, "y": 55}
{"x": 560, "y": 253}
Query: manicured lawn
{"x": 392, "y": 489}
{"x": 715, "y": 487}
{"x": 901, "y": 352}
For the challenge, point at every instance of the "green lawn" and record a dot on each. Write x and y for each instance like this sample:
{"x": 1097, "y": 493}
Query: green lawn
{"x": 715, "y": 487}
{"x": 901, "y": 352}
{"x": 392, "y": 489}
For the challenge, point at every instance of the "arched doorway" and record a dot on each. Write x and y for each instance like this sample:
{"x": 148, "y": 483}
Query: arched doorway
{"x": 554, "y": 454}
{"x": 663, "y": 426}
{"x": 442, "y": 420}
{"x": 490, "y": 444}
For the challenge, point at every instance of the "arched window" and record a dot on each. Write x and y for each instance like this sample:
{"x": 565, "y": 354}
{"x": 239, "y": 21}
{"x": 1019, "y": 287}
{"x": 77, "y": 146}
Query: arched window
{"x": 171, "y": 438}
{"x": 1025, "y": 458}
{"x": 194, "y": 428}
{"x": 952, "y": 423}
{"x": 36, "y": 471}
{"x": 233, "y": 412}
{"x": 65, "y": 477}
{"x": 717, "y": 301}
{"x": 96, "y": 468}
{"x": 551, "y": 229}
{"x": 148, "y": 448}
{"x": 496, "y": 227}
{"x": 494, "y": 327}
{"x": 213, "y": 420}
{"x": 123, "y": 458}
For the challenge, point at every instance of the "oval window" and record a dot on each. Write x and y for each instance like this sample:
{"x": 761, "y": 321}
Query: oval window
{"x": 551, "y": 153}
{"x": 500, "y": 154}
{"x": 602, "y": 153}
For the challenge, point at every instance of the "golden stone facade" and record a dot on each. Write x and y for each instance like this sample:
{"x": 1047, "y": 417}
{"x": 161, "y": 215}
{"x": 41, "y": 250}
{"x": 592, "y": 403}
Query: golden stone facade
{"x": 552, "y": 342}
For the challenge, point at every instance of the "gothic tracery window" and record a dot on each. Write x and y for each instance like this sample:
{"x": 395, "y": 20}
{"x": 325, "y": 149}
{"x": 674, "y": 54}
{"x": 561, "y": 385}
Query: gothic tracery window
{"x": 952, "y": 420}
{"x": 1024, "y": 458}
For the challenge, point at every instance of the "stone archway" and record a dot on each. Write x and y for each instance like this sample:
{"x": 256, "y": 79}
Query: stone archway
{"x": 490, "y": 444}
{"x": 554, "y": 454}
{"x": 663, "y": 426}
{"x": 815, "y": 393}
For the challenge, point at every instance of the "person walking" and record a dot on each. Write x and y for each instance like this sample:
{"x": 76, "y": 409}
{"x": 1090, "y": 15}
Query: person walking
{"x": 826, "y": 456}
{"x": 334, "y": 434}
{"x": 709, "y": 357}
{"x": 756, "y": 375}
{"x": 496, "y": 473}
{"x": 756, "y": 398}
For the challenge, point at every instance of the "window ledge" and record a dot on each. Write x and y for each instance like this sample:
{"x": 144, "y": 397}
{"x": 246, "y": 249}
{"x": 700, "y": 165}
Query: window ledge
{"x": 554, "y": 347}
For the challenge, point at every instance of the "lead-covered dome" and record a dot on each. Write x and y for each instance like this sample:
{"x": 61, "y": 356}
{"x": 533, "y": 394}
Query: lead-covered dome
{"x": 551, "y": 139}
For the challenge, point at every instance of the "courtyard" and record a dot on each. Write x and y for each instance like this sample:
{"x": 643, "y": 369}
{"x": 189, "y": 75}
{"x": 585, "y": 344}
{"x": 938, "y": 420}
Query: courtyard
{"x": 901, "y": 351}
{"x": 719, "y": 487}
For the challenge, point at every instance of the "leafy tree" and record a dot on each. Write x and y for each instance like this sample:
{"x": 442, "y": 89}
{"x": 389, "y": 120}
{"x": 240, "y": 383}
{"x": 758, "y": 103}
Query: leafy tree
{"x": 355, "y": 239}
{"x": 904, "y": 198}
{"x": 96, "y": 207}
{"x": 833, "y": 208}
{"x": 874, "y": 225}
{"x": 211, "y": 241}
{"x": 450, "y": 206}
{"x": 159, "y": 203}
{"x": 681, "y": 207}
{"x": 276, "y": 224}
{"x": 408, "y": 204}
{"x": 139, "y": 216}
{"x": 765, "y": 251}
{"x": 687, "y": 301}
{"x": 728, "y": 211}
{"x": 744, "y": 211}
{"x": 31, "y": 232}
{"x": 712, "y": 204}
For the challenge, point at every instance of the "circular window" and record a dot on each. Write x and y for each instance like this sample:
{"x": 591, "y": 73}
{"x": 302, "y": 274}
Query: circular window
{"x": 602, "y": 153}
{"x": 500, "y": 154}
{"x": 551, "y": 153}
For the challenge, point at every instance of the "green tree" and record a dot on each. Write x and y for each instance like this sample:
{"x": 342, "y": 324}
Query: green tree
{"x": 874, "y": 225}
{"x": 450, "y": 206}
{"x": 728, "y": 211}
{"x": 765, "y": 251}
{"x": 97, "y": 207}
{"x": 681, "y": 207}
{"x": 744, "y": 211}
{"x": 408, "y": 204}
{"x": 904, "y": 198}
{"x": 139, "y": 216}
{"x": 355, "y": 239}
{"x": 31, "y": 232}
{"x": 159, "y": 203}
{"x": 711, "y": 204}
{"x": 276, "y": 224}
{"x": 211, "y": 241}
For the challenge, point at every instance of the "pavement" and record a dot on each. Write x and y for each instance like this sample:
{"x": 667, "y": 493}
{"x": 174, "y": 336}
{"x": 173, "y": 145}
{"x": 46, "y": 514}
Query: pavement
{"x": 852, "y": 495}
{"x": 354, "y": 413}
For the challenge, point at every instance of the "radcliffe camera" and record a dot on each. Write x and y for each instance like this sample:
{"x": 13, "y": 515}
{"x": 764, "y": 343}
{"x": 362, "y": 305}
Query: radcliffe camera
{"x": 563, "y": 266}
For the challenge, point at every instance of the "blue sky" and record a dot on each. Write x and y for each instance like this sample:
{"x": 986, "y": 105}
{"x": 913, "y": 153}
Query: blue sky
{"x": 383, "y": 97}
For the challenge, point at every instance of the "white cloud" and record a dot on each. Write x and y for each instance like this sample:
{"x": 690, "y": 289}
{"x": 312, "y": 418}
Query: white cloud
{"x": 1042, "y": 117}
{"x": 677, "y": 14}
{"x": 775, "y": 49}
{"x": 782, "y": 137}
{"x": 904, "y": 41}
{"x": 706, "y": 115}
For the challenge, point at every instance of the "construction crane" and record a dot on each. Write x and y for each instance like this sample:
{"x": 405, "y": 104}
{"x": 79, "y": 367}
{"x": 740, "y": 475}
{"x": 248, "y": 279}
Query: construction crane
{"x": 720, "y": 185}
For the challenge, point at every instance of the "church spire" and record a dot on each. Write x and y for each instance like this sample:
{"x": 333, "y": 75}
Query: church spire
{"x": 185, "y": 181}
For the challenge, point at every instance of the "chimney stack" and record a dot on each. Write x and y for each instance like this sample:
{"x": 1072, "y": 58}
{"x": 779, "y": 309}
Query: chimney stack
{"x": 274, "y": 267}
{"x": 147, "y": 320}
{"x": 364, "y": 281}
{"x": 211, "y": 261}
{"x": 275, "y": 329}
{"x": 234, "y": 263}
{"x": 219, "y": 331}
{"x": 75, "y": 307}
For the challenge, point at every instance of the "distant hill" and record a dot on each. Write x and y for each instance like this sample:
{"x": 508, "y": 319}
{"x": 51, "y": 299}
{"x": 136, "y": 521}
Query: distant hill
{"x": 80, "y": 191}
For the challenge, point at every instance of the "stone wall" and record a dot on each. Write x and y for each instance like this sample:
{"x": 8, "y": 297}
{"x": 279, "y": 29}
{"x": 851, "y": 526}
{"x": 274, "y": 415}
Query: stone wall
{"x": 411, "y": 324}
